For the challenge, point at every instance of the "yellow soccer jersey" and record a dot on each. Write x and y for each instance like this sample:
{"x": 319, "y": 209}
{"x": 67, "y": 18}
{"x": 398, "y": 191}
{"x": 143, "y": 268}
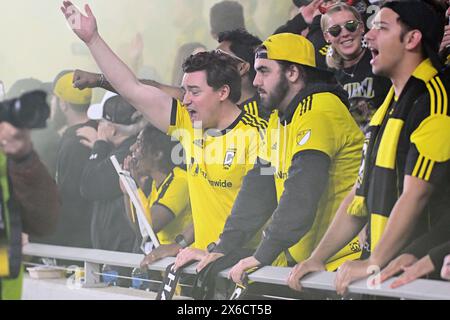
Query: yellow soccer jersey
{"x": 320, "y": 122}
{"x": 253, "y": 106}
{"x": 173, "y": 194}
{"x": 217, "y": 163}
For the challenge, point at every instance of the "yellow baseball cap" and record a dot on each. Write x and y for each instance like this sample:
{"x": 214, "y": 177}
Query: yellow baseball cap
{"x": 292, "y": 48}
{"x": 65, "y": 91}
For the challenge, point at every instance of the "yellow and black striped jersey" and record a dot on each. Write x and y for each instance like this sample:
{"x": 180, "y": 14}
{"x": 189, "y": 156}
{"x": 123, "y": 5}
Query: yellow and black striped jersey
{"x": 410, "y": 136}
{"x": 318, "y": 122}
{"x": 254, "y": 107}
{"x": 173, "y": 194}
{"x": 217, "y": 164}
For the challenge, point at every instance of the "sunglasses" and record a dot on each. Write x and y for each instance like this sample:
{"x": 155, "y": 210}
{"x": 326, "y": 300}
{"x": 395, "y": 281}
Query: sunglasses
{"x": 228, "y": 54}
{"x": 336, "y": 30}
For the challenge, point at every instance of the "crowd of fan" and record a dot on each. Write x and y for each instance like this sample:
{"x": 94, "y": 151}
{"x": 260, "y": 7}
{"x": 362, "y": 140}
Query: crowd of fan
{"x": 310, "y": 214}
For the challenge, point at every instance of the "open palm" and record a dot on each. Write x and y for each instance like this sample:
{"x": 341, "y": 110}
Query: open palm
{"x": 84, "y": 26}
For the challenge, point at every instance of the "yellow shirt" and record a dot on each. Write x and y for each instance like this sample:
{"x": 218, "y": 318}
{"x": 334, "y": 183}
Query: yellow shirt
{"x": 173, "y": 194}
{"x": 320, "y": 122}
{"x": 217, "y": 164}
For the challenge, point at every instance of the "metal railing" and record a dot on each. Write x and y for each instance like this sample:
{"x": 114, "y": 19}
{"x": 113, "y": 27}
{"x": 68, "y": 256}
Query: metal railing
{"x": 93, "y": 259}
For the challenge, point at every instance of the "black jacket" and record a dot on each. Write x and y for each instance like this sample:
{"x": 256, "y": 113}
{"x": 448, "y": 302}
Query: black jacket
{"x": 110, "y": 228}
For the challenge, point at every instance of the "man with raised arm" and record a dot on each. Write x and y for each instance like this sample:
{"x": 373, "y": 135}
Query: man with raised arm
{"x": 220, "y": 140}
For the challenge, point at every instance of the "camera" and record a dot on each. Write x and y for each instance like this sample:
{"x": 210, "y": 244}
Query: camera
{"x": 30, "y": 111}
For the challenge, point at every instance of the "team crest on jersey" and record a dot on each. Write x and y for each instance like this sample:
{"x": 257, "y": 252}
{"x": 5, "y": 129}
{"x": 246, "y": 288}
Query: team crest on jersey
{"x": 303, "y": 137}
{"x": 229, "y": 158}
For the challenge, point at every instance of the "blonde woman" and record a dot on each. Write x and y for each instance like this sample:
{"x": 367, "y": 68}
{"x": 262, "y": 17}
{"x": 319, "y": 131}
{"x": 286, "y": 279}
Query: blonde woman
{"x": 347, "y": 56}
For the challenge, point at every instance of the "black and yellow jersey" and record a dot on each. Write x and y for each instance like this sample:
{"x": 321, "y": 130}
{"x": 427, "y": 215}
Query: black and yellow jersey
{"x": 255, "y": 108}
{"x": 319, "y": 122}
{"x": 409, "y": 135}
{"x": 217, "y": 164}
{"x": 172, "y": 194}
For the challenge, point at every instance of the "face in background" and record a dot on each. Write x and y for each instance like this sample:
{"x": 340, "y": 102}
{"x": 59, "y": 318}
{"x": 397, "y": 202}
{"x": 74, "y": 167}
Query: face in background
{"x": 141, "y": 158}
{"x": 271, "y": 83}
{"x": 386, "y": 43}
{"x": 348, "y": 44}
{"x": 201, "y": 100}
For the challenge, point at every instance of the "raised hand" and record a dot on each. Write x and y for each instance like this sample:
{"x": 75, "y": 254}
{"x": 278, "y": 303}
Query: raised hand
{"x": 310, "y": 11}
{"x": 83, "y": 79}
{"x": 84, "y": 26}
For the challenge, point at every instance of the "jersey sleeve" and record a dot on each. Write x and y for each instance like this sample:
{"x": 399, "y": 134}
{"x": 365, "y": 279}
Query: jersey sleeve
{"x": 429, "y": 150}
{"x": 180, "y": 122}
{"x": 176, "y": 196}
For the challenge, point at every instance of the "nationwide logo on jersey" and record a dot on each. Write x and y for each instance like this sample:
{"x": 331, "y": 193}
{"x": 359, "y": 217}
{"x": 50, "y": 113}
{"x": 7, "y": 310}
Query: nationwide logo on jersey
{"x": 229, "y": 157}
{"x": 199, "y": 143}
{"x": 303, "y": 137}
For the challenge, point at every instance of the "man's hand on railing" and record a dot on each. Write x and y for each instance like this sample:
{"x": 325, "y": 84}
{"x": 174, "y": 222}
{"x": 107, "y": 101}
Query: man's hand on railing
{"x": 209, "y": 258}
{"x": 397, "y": 265}
{"x": 350, "y": 272}
{"x": 417, "y": 270}
{"x": 187, "y": 255}
{"x": 163, "y": 251}
{"x": 301, "y": 270}
{"x": 237, "y": 272}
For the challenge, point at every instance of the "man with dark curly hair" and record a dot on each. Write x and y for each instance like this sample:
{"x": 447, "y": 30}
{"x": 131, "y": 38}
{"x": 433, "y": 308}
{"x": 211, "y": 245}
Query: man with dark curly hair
{"x": 220, "y": 140}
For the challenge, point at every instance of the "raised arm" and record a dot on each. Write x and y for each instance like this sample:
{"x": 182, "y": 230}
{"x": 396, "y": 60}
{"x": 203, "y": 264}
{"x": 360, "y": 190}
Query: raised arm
{"x": 153, "y": 103}
{"x": 83, "y": 79}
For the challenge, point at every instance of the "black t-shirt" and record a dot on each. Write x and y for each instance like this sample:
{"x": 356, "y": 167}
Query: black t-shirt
{"x": 366, "y": 91}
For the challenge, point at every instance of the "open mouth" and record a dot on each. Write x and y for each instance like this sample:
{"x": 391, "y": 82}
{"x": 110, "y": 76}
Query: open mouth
{"x": 192, "y": 113}
{"x": 375, "y": 54}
